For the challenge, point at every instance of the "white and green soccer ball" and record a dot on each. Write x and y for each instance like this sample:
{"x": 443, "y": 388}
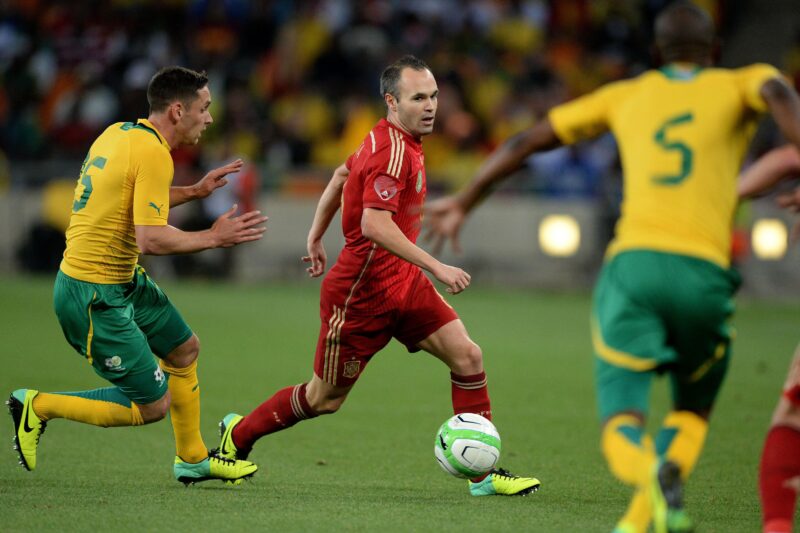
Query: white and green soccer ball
{"x": 467, "y": 446}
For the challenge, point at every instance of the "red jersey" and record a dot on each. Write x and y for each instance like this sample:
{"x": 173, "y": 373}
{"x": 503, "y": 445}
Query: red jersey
{"x": 386, "y": 172}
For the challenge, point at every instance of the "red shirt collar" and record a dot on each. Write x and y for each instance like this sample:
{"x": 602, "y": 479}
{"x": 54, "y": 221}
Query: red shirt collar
{"x": 407, "y": 136}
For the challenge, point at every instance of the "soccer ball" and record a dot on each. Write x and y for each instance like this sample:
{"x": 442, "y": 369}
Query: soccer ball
{"x": 467, "y": 446}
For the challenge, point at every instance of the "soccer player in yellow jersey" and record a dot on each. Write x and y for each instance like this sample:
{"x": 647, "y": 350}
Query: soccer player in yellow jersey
{"x": 664, "y": 296}
{"x": 110, "y": 310}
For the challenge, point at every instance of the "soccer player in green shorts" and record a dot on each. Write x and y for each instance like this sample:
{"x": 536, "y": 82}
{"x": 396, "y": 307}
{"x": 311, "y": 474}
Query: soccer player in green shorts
{"x": 110, "y": 310}
{"x": 664, "y": 296}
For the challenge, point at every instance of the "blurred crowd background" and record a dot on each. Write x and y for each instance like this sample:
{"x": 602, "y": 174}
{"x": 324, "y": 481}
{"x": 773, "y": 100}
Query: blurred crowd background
{"x": 295, "y": 83}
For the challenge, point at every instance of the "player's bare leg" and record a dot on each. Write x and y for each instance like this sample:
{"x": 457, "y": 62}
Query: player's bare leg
{"x": 452, "y": 345}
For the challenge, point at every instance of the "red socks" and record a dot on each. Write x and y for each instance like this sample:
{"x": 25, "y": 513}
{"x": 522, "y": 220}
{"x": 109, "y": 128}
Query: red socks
{"x": 780, "y": 464}
{"x": 284, "y": 409}
{"x": 470, "y": 394}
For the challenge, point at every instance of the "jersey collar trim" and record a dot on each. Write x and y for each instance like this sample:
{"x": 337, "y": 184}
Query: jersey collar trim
{"x": 681, "y": 71}
{"x": 146, "y": 124}
{"x": 408, "y": 137}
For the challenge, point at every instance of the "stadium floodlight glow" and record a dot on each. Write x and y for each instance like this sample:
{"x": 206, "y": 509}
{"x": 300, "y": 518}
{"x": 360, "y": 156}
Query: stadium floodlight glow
{"x": 770, "y": 239}
{"x": 559, "y": 235}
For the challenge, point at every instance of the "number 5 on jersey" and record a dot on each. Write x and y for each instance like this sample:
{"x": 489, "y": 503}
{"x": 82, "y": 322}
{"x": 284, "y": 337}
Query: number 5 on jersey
{"x": 685, "y": 152}
{"x": 82, "y": 196}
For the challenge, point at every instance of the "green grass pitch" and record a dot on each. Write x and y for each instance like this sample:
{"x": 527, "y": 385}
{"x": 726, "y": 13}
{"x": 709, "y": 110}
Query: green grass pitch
{"x": 370, "y": 467}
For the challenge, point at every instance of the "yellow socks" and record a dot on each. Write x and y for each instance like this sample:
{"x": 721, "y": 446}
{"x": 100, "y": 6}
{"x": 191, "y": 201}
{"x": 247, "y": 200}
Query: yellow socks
{"x": 100, "y": 407}
{"x": 628, "y": 450}
{"x": 631, "y": 457}
{"x": 184, "y": 412}
{"x": 681, "y": 439}
{"x": 638, "y": 515}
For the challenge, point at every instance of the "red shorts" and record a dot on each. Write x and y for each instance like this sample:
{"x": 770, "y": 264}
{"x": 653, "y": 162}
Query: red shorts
{"x": 348, "y": 341}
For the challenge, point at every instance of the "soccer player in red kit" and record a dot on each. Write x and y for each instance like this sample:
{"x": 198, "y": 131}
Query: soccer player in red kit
{"x": 377, "y": 290}
{"x": 779, "y": 470}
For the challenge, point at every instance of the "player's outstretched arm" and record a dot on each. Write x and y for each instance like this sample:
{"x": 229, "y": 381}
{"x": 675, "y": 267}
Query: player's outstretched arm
{"x": 768, "y": 170}
{"x": 377, "y": 225}
{"x": 226, "y": 231}
{"x": 784, "y": 105}
{"x": 327, "y": 206}
{"x": 203, "y": 188}
{"x": 445, "y": 217}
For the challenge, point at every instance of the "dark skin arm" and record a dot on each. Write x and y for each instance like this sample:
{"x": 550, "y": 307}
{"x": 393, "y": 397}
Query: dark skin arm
{"x": 445, "y": 216}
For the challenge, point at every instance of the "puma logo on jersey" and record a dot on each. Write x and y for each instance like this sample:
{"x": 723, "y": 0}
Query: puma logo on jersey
{"x": 156, "y": 207}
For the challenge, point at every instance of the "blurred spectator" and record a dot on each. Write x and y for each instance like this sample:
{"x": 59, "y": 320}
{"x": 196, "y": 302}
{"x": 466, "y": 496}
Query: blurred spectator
{"x": 297, "y": 78}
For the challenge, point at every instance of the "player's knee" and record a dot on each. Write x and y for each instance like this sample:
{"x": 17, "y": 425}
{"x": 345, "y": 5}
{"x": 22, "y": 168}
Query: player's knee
{"x": 326, "y": 405}
{"x": 470, "y": 360}
{"x": 787, "y": 413}
{"x": 155, "y": 411}
{"x": 185, "y": 354}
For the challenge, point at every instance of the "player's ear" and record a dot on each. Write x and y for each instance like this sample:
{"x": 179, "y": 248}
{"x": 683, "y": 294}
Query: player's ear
{"x": 176, "y": 111}
{"x": 391, "y": 103}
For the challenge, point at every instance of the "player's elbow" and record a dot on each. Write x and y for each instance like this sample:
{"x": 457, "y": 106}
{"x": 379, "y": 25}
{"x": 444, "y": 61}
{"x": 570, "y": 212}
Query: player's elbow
{"x": 776, "y": 90}
{"x": 369, "y": 229}
{"x": 147, "y": 246}
{"x": 148, "y": 243}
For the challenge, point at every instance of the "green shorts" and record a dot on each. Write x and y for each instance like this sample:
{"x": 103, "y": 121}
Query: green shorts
{"x": 653, "y": 313}
{"x": 119, "y": 327}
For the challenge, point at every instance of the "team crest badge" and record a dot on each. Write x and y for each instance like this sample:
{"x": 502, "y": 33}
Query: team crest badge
{"x": 351, "y": 368}
{"x": 419, "y": 181}
{"x": 158, "y": 376}
{"x": 385, "y": 187}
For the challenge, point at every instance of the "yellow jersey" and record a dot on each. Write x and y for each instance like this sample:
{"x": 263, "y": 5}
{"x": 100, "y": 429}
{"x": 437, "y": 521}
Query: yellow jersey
{"x": 682, "y": 133}
{"x": 124, "y": 182}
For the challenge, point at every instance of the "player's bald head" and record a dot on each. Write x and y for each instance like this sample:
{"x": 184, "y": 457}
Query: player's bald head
{"x": 684, "y": 32}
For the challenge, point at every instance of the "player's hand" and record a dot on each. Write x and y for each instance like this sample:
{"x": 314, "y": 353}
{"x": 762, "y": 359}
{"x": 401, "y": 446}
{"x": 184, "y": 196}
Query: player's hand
{"x": 216, "y": 178}
{"x": 317, "y": 257}
{"x": 231, "y": 230}
{"x": 444, "y": 218}
{"x": 790, "y": 200}
{"x": 456, "y": 279}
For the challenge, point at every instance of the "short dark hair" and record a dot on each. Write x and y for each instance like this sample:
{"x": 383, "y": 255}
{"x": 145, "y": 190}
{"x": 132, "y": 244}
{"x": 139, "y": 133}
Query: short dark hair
{"x": 174, "y": 83}
{"x": 684, "y": 32}
{"x": 391, "y": 74}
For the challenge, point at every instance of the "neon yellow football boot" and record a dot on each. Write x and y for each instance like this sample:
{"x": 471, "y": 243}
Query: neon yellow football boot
{"x": 213, "y": 467}
{"x": 501, "y": 482}
{"x": 28, "y": 427}
{"x": 227, "y": 448}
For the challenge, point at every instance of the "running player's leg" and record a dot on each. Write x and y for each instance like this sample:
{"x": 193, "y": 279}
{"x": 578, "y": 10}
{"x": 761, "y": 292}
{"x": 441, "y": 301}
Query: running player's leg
{"x": 344, "y": 347}
{"x": 698, "y": 315}
{"x": 96, "y": 321}
{"x": 779, "y": 472}
{"x": 629, "y": 342}
{"x": 430, "y": 324}
{"x": 171, "y": 339}
{"x": 468, "y": 385}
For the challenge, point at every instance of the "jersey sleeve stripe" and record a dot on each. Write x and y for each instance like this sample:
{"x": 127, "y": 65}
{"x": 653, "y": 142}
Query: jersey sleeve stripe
{"x": 399, "y": 162}
{"x": 398, "y": 149}
{"x": 392, "y": 152}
